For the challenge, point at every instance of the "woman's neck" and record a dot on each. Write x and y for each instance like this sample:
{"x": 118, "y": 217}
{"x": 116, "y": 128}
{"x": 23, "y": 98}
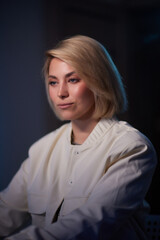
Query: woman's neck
{"x": 81, "y": 129}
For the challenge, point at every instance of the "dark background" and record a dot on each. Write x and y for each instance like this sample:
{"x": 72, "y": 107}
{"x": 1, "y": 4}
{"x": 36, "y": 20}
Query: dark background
{"x": 130, "y": 30}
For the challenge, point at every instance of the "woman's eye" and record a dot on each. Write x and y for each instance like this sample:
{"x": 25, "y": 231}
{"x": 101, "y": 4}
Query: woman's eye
{"x": 74, "y": 80}
{"x": 52, "y": 83}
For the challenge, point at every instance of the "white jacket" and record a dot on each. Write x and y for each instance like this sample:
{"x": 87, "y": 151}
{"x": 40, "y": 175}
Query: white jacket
{"x": 91, "y": 191}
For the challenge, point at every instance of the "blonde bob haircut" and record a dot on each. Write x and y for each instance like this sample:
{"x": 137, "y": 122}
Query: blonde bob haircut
{"x": 94, "y": 65}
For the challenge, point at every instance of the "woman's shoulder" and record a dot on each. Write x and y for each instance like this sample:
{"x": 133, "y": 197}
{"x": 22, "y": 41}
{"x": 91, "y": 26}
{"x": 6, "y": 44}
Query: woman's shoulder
{"x": 123, "y": 133}
{"x": 125, "y": 140}
{"x": 47, "y": 140}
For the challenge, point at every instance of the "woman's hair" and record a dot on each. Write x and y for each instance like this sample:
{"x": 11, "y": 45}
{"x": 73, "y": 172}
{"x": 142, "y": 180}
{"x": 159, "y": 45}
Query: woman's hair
{"x": 94, "y": 65}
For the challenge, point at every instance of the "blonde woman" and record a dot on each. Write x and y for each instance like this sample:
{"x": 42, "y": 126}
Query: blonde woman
{"x": 88, "y": 179}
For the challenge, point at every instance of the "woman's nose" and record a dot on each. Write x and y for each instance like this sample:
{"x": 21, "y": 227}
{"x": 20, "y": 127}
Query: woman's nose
{"x": 63, "y": 90}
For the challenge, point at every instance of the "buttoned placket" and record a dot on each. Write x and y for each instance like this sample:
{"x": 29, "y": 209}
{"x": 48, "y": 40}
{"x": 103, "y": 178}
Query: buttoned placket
{"x": 70, "y": 181}
{"x": 76, "y": 155}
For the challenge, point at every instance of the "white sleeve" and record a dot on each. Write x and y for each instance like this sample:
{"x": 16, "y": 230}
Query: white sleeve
{"x": 118, "y": 195}
{"x": 13, "y": 203}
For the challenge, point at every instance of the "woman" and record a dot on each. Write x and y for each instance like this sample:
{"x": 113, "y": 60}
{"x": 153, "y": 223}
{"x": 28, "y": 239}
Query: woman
{"x": 88, "y": 179}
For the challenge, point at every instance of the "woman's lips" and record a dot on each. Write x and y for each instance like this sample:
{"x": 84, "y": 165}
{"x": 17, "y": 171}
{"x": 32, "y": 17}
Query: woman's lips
{"x": 64, "y": 105}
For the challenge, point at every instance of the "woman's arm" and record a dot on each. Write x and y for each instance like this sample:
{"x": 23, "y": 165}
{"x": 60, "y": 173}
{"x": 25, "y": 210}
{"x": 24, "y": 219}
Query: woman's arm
{"x": 13, "y": 203}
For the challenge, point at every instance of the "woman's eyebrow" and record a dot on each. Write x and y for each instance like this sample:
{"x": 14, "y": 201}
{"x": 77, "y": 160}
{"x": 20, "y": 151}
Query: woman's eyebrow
{"x": 67, "y": 75}
{"x": 52, "y": 76}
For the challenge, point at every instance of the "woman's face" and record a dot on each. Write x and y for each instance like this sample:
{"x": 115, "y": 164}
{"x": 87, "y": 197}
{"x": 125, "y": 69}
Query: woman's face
{"x": 71, "y": 98}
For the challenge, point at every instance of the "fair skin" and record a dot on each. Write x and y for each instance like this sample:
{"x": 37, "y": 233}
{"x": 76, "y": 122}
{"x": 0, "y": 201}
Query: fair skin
{"x": 71, "y": 98}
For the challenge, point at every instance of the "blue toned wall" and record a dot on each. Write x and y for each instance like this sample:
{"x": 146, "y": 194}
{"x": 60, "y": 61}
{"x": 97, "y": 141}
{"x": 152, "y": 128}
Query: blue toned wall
{"x": 23, "y": 105}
